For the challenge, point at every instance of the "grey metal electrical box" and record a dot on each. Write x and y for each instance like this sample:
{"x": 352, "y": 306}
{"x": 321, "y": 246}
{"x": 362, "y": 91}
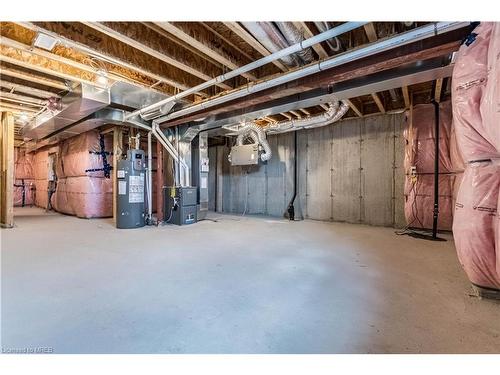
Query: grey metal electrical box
{"x": 245, "y": 154}
{"x": 181, "y": 205}
{"x": 130, "y": 179}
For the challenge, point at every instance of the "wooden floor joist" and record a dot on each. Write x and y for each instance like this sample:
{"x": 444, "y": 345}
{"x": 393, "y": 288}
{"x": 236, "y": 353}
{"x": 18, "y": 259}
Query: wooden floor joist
{"x": 378, "y": 102}
{"x": 150, "y": 51}
{"x": 406, "y": 96}
{"x": 438, "y": 90}
{"x": 14, "y": 73}
{"x": 172, "y": 29}
{"x": 250, "y": 40}
{"x": 355, "y": 109}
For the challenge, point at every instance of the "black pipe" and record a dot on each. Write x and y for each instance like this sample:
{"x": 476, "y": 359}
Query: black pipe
{"x": 436, "y": 170}
{"x": 291, "y": 207}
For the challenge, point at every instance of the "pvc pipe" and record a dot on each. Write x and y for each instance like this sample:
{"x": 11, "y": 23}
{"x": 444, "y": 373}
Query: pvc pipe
{"x": 373, "y": 48}
{"x": 348, "y": 26}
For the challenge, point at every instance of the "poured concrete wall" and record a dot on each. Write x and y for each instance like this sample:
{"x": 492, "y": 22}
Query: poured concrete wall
{"x": 350, "y": 171}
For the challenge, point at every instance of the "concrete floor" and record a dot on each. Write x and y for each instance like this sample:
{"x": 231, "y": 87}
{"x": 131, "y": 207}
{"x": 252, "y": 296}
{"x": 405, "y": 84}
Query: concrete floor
{"x": 239, "y": 285}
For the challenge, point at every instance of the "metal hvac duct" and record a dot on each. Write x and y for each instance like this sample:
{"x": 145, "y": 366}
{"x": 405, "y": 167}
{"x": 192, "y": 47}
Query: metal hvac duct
{"x": 76, "y": 105}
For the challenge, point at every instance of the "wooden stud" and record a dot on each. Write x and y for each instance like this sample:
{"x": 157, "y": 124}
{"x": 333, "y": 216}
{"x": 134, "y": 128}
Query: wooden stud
{"x": 172, "y": 29}
{"x": 7, "y": 170}
{"x": 370, "y": 31}
{"x": 354, "y": 108}
{"x": 117, "y": 154}
{"x": 378, "y": 102}
{"x": 318, "y": 48}
{"x": 406, "y": 96}
{"x": 249, "y": 39}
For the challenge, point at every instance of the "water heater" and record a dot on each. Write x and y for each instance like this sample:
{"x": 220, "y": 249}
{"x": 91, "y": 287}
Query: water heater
{"x": 130, "y": 176}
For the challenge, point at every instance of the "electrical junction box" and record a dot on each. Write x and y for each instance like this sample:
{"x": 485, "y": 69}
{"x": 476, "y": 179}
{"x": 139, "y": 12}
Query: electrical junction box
{"x": 245, "y": 154}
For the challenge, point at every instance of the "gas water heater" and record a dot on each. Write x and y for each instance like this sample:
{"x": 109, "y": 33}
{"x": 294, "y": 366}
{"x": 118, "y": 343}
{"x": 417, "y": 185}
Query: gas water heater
{"x": 130, "y": 176}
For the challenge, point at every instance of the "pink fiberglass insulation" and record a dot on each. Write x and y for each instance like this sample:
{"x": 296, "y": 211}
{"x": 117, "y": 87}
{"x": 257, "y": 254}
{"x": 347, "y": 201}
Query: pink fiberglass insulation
{"x": 419, "y": 201}
{"x": 419, "y": 153}
{"x": 85, "y": 197}
{"x": 80, "y": 153}
{"x": 468, "y": 86}
{"x": 490, "y": 101}
{"x": 420, "y": 138}
{"x": 24, "y": 191}
{"x": 23, "y": 164}
{"x": 476, "y": 222}
{"x": 475, "y": 215}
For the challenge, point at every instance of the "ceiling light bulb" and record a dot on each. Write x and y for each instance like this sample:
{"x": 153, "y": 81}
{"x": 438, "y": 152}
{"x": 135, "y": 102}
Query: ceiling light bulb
{"x": 45, "y": 41}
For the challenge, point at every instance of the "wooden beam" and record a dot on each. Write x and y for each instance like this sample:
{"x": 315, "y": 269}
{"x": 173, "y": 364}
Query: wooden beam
{"x": 378, "y": 102}
{"x": 7, "y": 170}
{"x": 249, "y": 39}
{"x": 371, "y": 32}
{"x": 406, "y": 96}
{"x": 318, "y": 48}
{"x": 324, "y": 106}
{"x": 182, "y": 35}
{"x": 117, "y": 154}
{"x": 296, "y": 114}
{"x": 150, "y": 51}
{"x": 32, "y": 78}
{"x": 438, "y": 89}
{"x": 226, "y": 40}
{"x": 305, "y": 111}
{"x": 354, "y": 108}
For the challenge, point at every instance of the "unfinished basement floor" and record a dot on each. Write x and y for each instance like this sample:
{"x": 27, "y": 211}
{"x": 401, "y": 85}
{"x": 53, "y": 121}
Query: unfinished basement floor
{"x": 237, "y": 285}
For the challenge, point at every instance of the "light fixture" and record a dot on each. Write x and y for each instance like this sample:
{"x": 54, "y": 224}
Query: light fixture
{"x": 45, "y": 41}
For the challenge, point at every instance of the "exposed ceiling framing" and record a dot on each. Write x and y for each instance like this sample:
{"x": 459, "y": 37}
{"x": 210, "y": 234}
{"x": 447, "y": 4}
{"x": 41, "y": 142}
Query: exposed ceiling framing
{"x": 175, "y": 56}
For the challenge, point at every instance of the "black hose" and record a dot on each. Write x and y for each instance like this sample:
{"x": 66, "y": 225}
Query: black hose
{"x": 291, "y": 207}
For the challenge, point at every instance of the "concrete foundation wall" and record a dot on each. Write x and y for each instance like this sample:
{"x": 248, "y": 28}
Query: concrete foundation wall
{"x": 350, "y": 171}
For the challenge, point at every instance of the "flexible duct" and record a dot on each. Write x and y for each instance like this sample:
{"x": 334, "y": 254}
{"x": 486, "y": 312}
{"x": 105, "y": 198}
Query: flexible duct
{"x": 322, "y": 27}
{"x": 271, "y": 39}
{"x": 251, "y": 134}
{"x": 252, "y": 130}
{"x": 334, "y": 113}
{"x": 293, "y": 36}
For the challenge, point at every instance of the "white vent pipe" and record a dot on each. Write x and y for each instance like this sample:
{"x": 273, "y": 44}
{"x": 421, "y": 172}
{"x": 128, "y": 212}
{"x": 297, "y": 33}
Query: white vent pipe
{"x": 348, "y": 26}
{"x": 408, "y": 37}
